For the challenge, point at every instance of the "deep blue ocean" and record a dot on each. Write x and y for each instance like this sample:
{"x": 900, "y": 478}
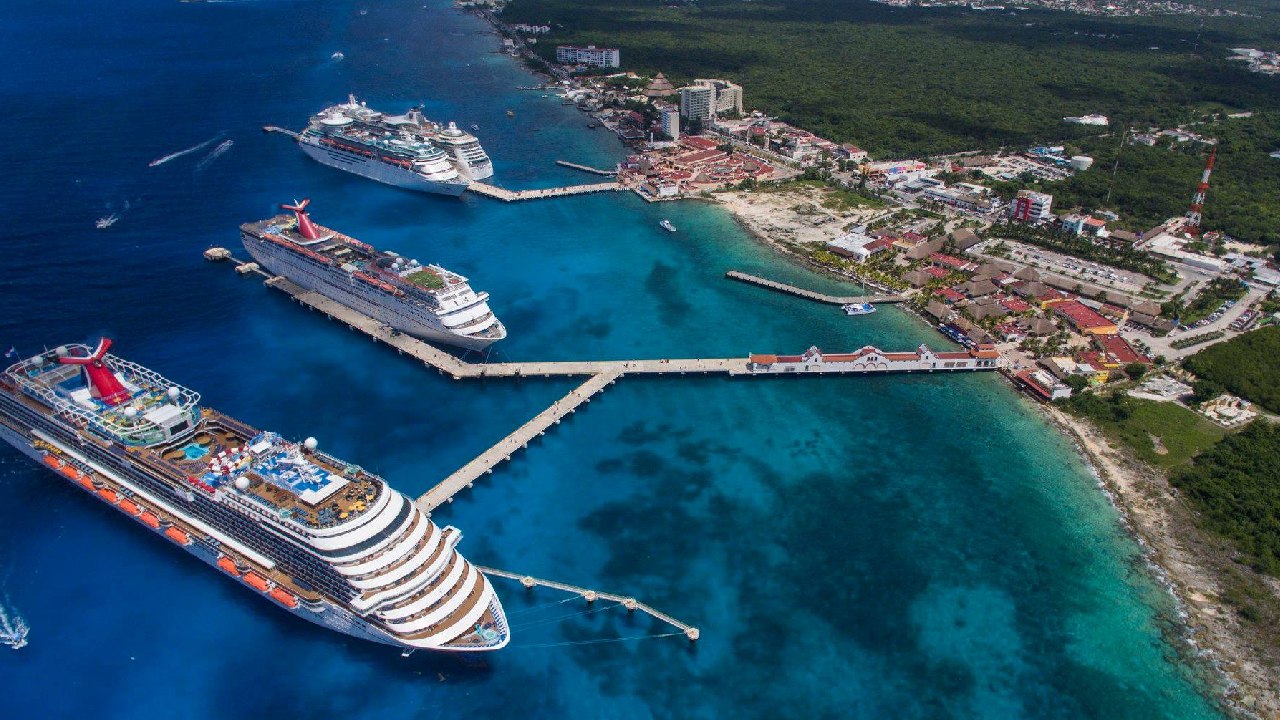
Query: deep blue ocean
{"x": 907, "y": 547}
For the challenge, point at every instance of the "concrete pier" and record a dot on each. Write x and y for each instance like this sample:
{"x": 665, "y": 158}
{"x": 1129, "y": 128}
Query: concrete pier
{"x": 631, "y": 604}
{"x": 809, "y": 294}
{"x": 586, "y": 168}
{"x": 505, "y": 195}
{"x": 517, "y": 440}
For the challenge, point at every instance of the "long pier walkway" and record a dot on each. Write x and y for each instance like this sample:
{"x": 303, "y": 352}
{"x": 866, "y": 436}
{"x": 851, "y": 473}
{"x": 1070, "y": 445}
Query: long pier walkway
{"x": 592, "y": 595}
{"x": 457, "y": 369}
{"x": 501, "y": 452}
{"x": 505, "y": 195}
{"x": 809, "y": 294}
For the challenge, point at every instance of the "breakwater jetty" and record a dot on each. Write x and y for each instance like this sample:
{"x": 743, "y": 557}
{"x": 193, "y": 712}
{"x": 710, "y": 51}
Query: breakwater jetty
{"x": 505, "y": 195}
{"x": 630, "y": 603}
{"x": 586, "y": 168}
{"x": 809, "y": 294}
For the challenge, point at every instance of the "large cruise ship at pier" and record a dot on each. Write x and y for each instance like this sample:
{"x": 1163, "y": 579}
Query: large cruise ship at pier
{"x": 318, "y": 536}
{"x": 425, "y": 301}
{"x": 407, "y": 150}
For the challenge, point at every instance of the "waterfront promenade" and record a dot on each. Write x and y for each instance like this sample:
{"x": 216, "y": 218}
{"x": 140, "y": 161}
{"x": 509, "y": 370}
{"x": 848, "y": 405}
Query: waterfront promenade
{"x": 809, "y": 294}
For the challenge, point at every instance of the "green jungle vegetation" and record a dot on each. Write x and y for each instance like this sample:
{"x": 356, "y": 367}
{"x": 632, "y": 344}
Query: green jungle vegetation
{"x": 917, "y": 81}
{"x": 1248, "y": 366}
{"x": 1162, "y": 434}
{"x": 1235, "y": 486}
{"x": 1153, "y": 183}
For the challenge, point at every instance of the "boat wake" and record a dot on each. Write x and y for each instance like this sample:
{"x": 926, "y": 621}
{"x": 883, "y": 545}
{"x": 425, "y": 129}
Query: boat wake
{"x": 187, "y": 151}
{"x": 214, "y": 154}
{"x": 13, "y": 631}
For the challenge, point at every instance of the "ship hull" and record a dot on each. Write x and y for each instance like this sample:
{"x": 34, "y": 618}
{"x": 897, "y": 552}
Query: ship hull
{"x": 381, "y": 172}
{"x": 335, "y": 285}
{"x": 323, "y": 613}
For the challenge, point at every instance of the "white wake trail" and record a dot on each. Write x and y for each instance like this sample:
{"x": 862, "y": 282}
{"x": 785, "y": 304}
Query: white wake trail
{"x": 180, "y": 153}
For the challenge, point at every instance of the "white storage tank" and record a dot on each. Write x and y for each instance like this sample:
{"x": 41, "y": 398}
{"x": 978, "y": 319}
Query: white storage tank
{"x": 1081, "y": 162}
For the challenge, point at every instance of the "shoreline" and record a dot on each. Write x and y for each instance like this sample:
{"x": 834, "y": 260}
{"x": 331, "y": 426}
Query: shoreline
{"x": 1178, "y": 555}
{"x": 1185, "y": 561}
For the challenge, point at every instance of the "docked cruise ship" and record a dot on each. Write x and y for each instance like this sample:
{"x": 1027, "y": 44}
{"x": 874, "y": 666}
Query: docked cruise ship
{"x": 407, "y": 150}
{"x": 320, "y": 537}
{"x": 425, "y": 301}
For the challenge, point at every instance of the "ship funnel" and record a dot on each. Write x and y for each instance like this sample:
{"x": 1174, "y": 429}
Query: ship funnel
{"x": 305, "y": 228}
{"x": 104, "y": 383}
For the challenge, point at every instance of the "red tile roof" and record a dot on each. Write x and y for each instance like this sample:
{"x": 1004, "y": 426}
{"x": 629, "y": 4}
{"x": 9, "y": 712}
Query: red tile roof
{"x": 1120, "y": 349}
{"x": 936, "y": 272}
{"x": 1081, "y": 316}
{"x": 951, "y": 294}
{"x": 1014, "y": 304}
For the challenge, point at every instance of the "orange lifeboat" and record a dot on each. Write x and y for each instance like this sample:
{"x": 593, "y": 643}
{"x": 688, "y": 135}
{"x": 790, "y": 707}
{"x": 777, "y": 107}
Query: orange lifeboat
{"x": 150, "y": 520}
{"x": 255, "y": 581}
{"x": 86, "y": 481}
{"x": 130, "y": 507}
{"x": 177, "y": 535}
{"x": 284, "y": 597}
{"x": 52, "y": 461}
{"x": 70, "y": 471}
{"x": 109, "y": 495}
{"x": 228, "y": 567}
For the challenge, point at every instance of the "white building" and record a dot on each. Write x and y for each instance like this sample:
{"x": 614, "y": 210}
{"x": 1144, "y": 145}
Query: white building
{"x": 589, "y": 55}
{"x": 706, "y": 98}
{"x": 1032, "y": 207}
{"x": 671, "y": 122}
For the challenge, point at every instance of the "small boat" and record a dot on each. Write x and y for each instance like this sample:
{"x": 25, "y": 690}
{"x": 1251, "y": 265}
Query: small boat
{"x": 859, "y": 308}
{"x": 591, "y": 125}
{"x": 337, "y": 56}
{"x": 475, "y": 127}
{"x": 666, "y": 225}
{"x": 511, "y": 113}
{"x": 105, "y": 222}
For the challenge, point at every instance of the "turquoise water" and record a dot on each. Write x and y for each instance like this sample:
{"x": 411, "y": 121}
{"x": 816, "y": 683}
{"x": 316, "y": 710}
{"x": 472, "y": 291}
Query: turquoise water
{"x": 914, "y": 547}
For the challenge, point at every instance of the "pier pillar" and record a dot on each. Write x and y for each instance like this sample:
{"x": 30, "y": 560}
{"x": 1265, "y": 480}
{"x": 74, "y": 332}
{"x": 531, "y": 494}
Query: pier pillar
{"x": 590, "y": 596}
{"x": 692, "y": 634}
{"x": 629, "y": 604}
{"x": 528, "y": 582}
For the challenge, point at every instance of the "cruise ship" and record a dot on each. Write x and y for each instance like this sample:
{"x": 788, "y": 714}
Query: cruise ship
{"x": 320, "y": 537}
{"x": 407, "y": 150}
{"x": 425, "y": 301}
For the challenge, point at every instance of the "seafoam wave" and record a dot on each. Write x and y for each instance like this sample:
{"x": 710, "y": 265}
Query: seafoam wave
{"x": 214, "y": 154}
{"x": 186, "y": 151}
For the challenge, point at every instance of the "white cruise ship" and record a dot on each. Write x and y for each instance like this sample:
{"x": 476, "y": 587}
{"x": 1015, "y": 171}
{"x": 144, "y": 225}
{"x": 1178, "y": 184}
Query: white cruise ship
{"x": 317, "y": 536}
{"x": 353, "y": 137}
{"x": 425, "y": 301}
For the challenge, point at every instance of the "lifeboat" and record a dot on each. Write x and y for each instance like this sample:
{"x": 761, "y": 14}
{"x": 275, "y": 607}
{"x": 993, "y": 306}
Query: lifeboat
{"x": 177, "y": 535}
{"x": 284, "y": 597}
{"x": 227, "y": 566}
{"x": 70, "y": 471}
{"x": 86, "y": 482}
{"x": 130, "y": 507}
{"x": 109, "y": 495}
{"x": 255, "y": 581}
{"x": 150, "y": 520}
{"x": 52, "y": 461}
